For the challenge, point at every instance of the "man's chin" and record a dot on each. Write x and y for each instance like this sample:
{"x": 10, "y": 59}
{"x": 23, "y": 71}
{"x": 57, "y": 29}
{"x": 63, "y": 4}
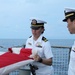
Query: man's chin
{"x": 72, "y": 33}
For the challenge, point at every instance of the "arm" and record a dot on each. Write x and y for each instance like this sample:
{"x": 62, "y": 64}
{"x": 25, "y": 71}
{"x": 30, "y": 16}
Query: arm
{"x": 47, "y": 61}
{"x": 43, "y": 60}
{"x": 47, "y": 53}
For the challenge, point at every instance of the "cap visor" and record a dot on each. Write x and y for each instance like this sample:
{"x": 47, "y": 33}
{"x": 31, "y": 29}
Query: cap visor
{"x": 35, "y": 28}
{"x": 64, "y": 20}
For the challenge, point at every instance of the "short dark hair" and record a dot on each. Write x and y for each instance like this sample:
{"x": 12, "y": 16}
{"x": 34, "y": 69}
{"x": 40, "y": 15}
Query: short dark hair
{"x": 43, "y": 28}
{"x": 72, "y": 18}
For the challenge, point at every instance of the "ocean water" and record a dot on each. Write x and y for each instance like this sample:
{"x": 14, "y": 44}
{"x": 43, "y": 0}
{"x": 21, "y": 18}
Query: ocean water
{"x": 61, "y": 55}
{"x": 6, "y": 43}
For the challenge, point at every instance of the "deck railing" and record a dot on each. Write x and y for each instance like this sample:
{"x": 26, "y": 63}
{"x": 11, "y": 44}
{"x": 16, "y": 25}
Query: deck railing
{"x": 64, "y": 47}
{"x": 60, "y": 60}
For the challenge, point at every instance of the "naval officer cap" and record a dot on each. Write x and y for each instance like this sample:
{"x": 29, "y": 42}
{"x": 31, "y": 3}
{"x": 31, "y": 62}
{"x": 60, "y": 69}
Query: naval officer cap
{"x": 36, "y": 24}
{"x": 69, "y": 13}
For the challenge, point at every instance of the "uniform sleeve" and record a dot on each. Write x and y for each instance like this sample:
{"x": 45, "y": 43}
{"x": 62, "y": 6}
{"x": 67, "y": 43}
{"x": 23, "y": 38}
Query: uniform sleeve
{"x": 47, "y": 50}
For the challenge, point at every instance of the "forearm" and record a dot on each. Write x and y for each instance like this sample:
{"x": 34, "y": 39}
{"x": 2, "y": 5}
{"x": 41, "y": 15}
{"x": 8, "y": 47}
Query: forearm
{"x": 43, "y": 60}
{"x": 47, "y": 61}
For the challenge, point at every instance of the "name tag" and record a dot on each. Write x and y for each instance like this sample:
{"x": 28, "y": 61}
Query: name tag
{"x": 39, "y": 46}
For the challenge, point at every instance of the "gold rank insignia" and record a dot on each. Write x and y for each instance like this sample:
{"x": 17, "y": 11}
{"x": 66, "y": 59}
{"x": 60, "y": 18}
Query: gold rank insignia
{"x": 44, "y": 39}
{"x": 38, "y": 44}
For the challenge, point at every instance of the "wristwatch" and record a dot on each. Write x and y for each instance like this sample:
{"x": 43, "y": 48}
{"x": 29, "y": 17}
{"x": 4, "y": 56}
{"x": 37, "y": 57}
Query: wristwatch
{"x": 40, "y": 60}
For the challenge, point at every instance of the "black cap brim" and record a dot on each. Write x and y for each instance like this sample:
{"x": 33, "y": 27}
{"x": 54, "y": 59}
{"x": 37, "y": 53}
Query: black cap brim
{"x": 35, "y": 28}
{"x": 64, "y": 20}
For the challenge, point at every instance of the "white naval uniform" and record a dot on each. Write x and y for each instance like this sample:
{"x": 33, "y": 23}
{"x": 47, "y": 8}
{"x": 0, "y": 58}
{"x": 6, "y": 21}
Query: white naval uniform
{"x": 44, "y": 51}
{"x": 71, "y": 70}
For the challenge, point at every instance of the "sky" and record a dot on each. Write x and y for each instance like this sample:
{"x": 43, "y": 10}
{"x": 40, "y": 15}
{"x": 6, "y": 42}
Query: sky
{"x": 15, "y": 18}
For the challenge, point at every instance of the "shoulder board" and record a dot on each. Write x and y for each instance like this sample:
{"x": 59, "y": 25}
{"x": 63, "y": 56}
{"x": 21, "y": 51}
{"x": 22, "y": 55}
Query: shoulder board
{"x": 44, "y": 39}
{"x": 30, "y": 36}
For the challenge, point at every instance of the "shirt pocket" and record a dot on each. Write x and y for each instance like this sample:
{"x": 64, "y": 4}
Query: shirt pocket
{"x": 40, "y": 51}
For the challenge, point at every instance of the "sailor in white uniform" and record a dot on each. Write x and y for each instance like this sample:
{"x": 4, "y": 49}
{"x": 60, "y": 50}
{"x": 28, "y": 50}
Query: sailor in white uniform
{"x": 70, "y": 19}
{"x": 40, "y": 45}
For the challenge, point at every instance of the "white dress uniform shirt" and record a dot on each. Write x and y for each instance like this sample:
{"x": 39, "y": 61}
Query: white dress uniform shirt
{"x": 71, "y": 70}
{"x": 44, "y": 51}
